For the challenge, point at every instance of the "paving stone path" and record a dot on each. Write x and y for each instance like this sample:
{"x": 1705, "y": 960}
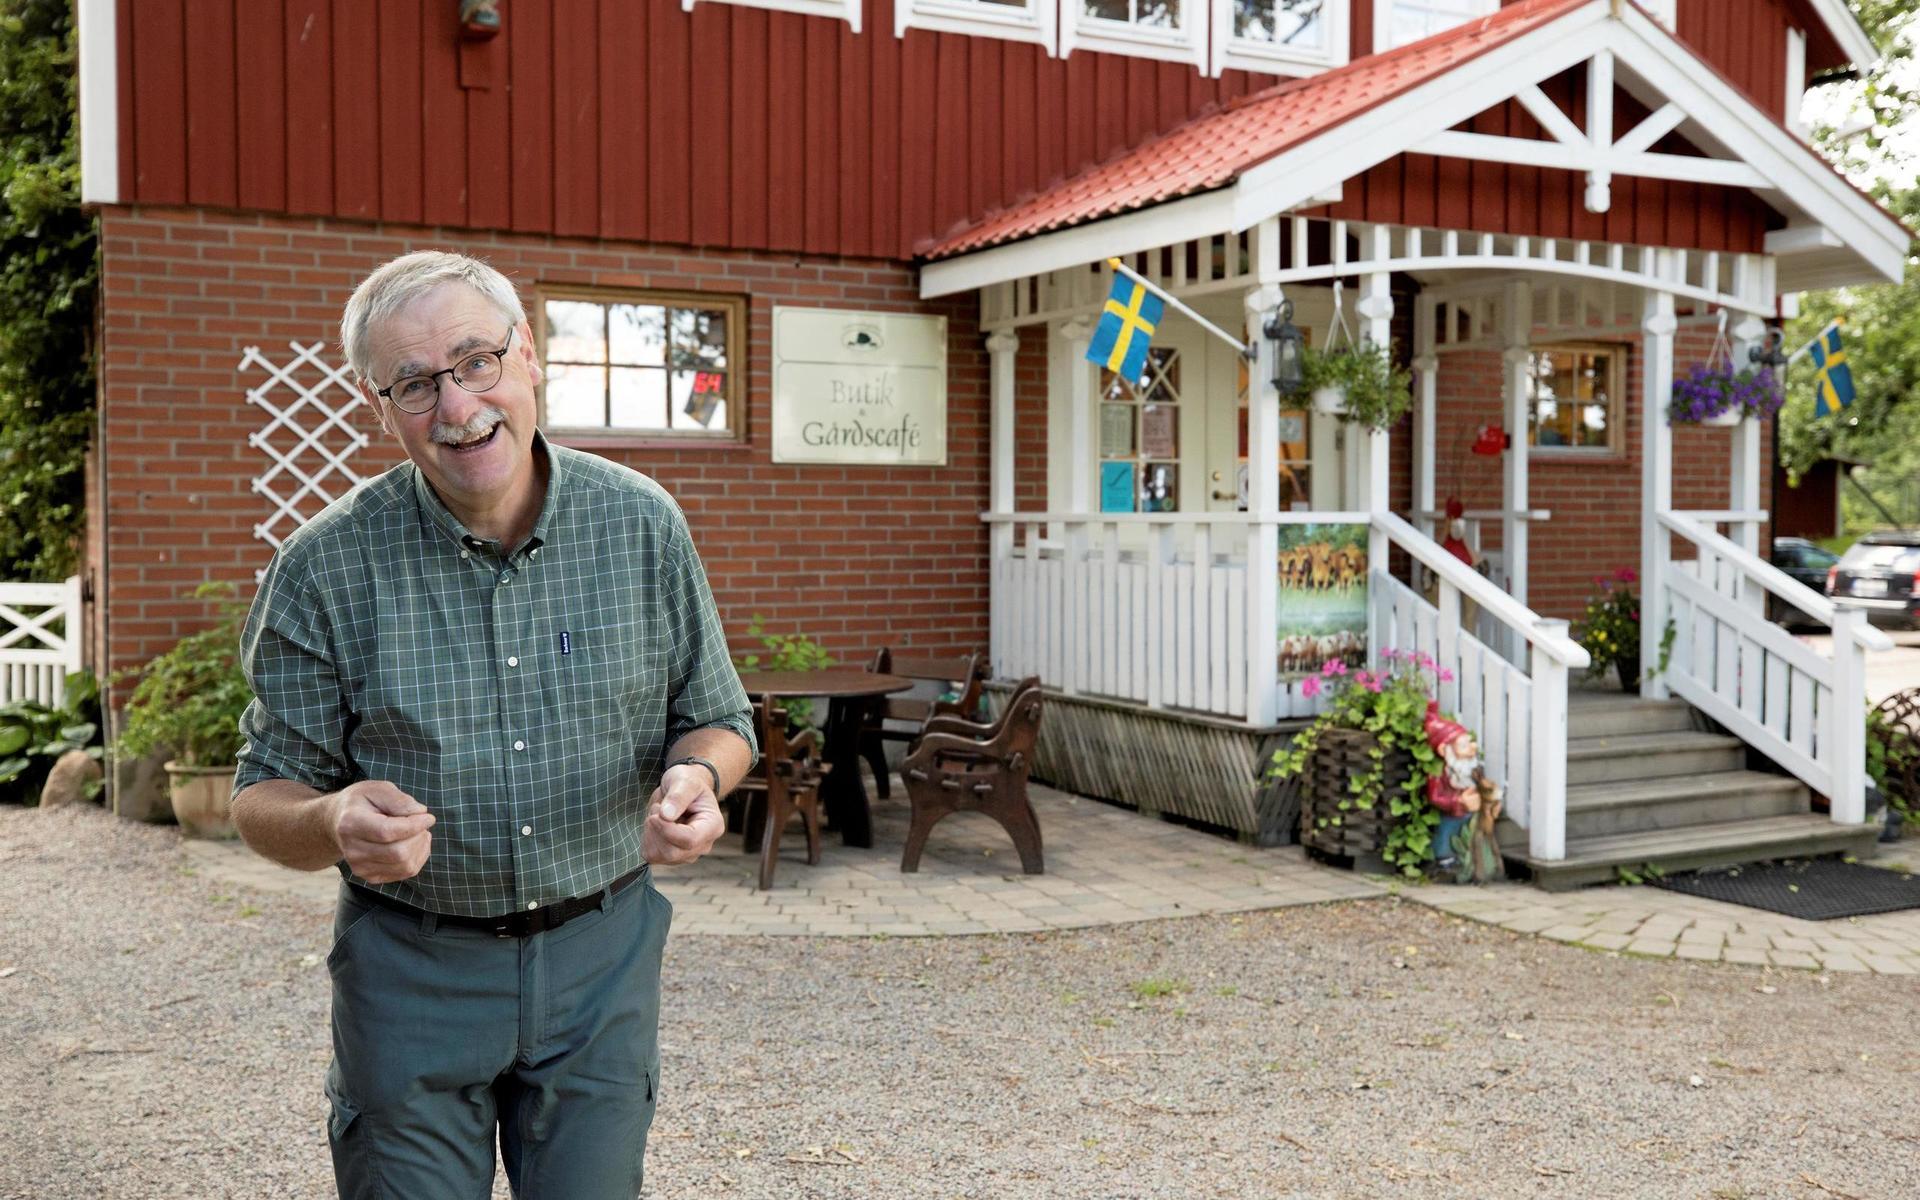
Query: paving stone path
{"x": 1109, "y": 866}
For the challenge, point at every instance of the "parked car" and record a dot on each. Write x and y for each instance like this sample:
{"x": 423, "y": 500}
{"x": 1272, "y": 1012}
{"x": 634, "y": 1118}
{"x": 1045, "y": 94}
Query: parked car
{"x": 1805, "y": 563}
{"x": 1878, "y": 576}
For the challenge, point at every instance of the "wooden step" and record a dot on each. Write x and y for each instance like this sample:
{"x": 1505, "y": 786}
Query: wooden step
{"x": 1651, "y": 755}
{"x": 1617, "y": 716}
{"x": 1671, "y": 802}
{"x": 1598, "y": 859}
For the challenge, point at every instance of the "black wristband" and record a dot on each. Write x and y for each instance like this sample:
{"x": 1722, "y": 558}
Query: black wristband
{"x": 711, "y": 769}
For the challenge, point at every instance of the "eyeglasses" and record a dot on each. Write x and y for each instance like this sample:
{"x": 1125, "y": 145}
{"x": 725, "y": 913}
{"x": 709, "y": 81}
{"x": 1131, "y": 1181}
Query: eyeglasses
{"x": 475, "y": 373}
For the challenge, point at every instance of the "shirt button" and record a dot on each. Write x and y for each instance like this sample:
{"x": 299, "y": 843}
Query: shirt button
{"x": 519, "y": 745}
{"x": 526, "y": 831}
{"x": 533, "y": 904}
{"x": 505, "y": 575}
{"x": 465, "y": 554}
{"x": 513, "y": 660}
{"x": 534, "y": 553}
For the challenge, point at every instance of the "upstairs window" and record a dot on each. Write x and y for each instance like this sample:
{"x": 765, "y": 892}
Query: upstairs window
{"x": 642, "y": 364}
{"x": 1011, "y": 20}
{"x": 1397, "y": 22}
{"x": 1282, "y": 36}
{"x": 1169, "y": 29}
{"x": 1573, "y": 394}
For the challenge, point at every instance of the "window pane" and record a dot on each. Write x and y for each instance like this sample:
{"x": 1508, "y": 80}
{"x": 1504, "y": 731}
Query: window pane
{"x": 1571, "y": 394}
{"x": 1416, "y": 19}
{"x": 1160, "y": 14}
{"x": 1296, "y": 23}
{"x": 699, "y": 339}
{"x": 1110, "y": 10}
{"x": 1159, "y": 487}
{"x": 638, "y": 399}
{"x": 698, "y": 400}
{"x": 576, "y": 332}
{"x": 638, "y": 334}
{"x": 576, "y": 396}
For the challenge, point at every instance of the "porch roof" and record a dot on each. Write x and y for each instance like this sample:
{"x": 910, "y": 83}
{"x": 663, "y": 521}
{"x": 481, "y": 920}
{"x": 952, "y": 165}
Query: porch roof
{"x": 1296, "y": 143}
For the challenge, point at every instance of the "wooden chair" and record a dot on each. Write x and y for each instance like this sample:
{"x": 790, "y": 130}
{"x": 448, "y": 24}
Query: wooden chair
{"x": 962, "y": 675}
{"x": 786, "y": 782}
{"x": 963, "y": 766}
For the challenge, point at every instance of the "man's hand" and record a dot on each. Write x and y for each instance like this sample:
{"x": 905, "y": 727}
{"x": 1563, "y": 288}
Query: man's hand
{"x": 683, "y": 817}
{"x": 382, "y": 831}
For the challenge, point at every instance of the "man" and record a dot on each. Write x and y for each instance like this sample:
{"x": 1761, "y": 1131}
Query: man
{"x": 491, "y": 685}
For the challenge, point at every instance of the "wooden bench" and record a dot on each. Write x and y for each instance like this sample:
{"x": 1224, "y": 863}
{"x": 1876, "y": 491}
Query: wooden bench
{"x": 963, "y": 766}
{"x": 785, "y": 782}
{"x": 961, "y": 676}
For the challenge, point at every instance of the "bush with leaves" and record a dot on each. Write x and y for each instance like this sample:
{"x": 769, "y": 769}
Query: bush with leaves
{"x": 33, "y": 736}
{"x": 1390, "y": 704}
{"x": 1377, "y": 392}
{"x": 189, "y": 700}
{"x": 48, "y": 281}
{"x": 787, "y": 652}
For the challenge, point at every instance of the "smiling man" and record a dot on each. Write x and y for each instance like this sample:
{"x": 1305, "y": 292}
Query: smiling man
{"x": 491, "y": 688}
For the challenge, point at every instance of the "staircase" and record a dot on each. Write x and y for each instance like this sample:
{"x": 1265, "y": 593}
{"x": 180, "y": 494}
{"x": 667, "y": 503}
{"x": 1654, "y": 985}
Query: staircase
{"x": 1648, "y": 784}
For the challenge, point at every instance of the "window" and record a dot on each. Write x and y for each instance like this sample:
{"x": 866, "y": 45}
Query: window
{"x": 642, "y": 364}
{"x": 1573, "y": 395}
{"x": 844, "y": 10}
{"x": 1296, "y": 462}
{"x": 1140, "y": 437}
{"x": 1013, "y": 20}
{"x": 1169, "y": 29}
{"x": 1397, "y": 22}
{"x": 1284, "y": 36}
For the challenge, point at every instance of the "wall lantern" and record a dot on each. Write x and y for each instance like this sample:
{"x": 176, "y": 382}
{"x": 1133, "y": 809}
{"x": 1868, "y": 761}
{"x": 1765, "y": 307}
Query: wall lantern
{"x": 1287, "y": 342}
{"x": 1771, "y": 352}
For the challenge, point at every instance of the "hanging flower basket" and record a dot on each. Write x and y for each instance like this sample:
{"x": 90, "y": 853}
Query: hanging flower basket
{"x": 1359, "y": 384}
{"x": 1715, "y": 393}
{"x": 1330, "y": 401}
{"x": 1725, "y": 419}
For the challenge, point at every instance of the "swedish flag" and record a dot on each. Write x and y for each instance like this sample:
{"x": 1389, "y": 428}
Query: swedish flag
{"x": 1833, "y": 379}
{"x": 1126, "y": 327}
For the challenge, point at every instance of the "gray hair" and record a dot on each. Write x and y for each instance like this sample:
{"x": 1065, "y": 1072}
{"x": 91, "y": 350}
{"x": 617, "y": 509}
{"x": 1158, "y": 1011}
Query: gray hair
{"x": 404, "y": 280}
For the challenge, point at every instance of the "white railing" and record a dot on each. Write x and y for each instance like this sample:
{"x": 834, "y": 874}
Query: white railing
{"x": 1805, "y": 712}
{"x": 1521, "y": 715}
{"x": 39, "y": 640}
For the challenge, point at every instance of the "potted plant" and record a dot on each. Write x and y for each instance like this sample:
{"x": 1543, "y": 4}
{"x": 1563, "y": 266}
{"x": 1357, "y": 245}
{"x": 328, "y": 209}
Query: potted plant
{"x": 1359, "y": 384}
{"x": 1716, "y": 394}
{"x": 1610, "y": 629}
{"x": 1365, "y": 762}
{"x": 787, "y": 652}
{"x": 189, "y": 701}
{"x": 34, "y": 736}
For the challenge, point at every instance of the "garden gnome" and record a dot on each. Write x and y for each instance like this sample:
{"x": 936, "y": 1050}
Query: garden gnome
{"x": 1454, "y": 790}
{"x": 1483, "y": 863}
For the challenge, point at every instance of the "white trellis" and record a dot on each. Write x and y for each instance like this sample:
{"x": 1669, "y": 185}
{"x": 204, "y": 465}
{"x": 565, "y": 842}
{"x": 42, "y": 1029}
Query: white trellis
{"x": 322, "y": 436}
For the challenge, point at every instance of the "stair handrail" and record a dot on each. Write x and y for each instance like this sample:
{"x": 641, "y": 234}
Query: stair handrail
{"x": 1544, "y": 636}
{"x": 1770, "y": 577}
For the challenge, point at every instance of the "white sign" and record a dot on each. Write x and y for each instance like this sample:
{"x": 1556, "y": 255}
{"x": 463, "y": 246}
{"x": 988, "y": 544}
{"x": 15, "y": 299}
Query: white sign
{"x": 859, "y": 387}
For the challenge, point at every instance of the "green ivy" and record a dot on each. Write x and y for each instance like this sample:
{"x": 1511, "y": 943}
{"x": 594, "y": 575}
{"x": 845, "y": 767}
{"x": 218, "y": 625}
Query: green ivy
{"x": 48, "y": 280}
{"x": 1378, "y": 393}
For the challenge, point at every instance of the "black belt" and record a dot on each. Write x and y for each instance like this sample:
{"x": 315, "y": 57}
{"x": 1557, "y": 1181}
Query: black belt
{"x": 514, "y": 924}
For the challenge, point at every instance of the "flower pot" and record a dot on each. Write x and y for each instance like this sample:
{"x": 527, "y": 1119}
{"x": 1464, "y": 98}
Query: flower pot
{"x": 200, "y": 799}
{"x": 1330, "y": 401}
{"x": 1358, "y": 835}
{"x": 1629, "y": 671}
{"x": 1725, "y": 420}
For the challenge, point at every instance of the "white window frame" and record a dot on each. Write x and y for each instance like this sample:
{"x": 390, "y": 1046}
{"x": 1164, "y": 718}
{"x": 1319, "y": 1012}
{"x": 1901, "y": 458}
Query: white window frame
{"x": 1383, "y": 20}
{"x": 839, "y": 10}
{"x": 1037, "y": 23}
{"x": 1188, "y": 44}
{"x": 1234, "y": 53}
{"x": 1796, "y": 80}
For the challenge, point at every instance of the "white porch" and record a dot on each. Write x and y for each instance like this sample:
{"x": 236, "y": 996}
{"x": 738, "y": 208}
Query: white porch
{"x": 1162, "y": 612}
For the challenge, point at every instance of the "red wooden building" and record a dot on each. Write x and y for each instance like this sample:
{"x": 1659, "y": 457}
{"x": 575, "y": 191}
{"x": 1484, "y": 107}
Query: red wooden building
{"x": 1546, "y": 205}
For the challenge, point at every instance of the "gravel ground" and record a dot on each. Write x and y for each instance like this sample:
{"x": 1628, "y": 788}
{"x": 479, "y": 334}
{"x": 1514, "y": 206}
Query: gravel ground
{"x": 166, "y": 1037}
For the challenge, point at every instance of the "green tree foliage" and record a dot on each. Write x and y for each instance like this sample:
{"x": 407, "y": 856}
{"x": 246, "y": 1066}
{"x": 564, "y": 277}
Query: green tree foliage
{"x": 1882, "y": 330}
{"x": 48, "y": 273}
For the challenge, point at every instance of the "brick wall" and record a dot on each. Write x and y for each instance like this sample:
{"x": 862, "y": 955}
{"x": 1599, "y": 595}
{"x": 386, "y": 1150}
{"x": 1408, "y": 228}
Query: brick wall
{"x": 855, "y": 557}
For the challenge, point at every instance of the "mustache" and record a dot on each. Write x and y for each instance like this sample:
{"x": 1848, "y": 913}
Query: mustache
{"x": 475, "y": 426}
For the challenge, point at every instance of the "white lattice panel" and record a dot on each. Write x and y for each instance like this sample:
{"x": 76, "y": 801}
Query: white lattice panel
{"x": 308, "y": 436}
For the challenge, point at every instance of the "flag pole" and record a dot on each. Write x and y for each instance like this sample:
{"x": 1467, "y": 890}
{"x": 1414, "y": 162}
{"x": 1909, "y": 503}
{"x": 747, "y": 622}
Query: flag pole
{"x": 1157, "y": 290}
{"x": 1802, "y": 352}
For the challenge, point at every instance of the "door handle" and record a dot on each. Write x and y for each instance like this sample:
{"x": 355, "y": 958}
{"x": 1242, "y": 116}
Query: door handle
{"x": 1220, "y": 495}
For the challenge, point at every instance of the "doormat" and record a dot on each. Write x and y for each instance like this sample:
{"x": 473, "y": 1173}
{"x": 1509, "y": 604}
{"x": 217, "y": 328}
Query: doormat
{"x": 1818, "y": 889}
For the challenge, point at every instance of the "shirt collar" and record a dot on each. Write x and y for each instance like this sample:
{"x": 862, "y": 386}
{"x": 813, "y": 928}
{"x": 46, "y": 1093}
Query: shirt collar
{"x": 437, "y": 511}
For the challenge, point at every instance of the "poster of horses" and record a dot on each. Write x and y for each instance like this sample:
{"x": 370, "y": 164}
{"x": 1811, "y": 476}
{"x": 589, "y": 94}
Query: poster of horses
{"x": 1323, "y": 597}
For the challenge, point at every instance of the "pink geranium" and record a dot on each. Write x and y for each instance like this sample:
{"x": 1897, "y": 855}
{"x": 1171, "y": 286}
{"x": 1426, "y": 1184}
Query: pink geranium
{"x": 1446, "y": 676}
{"x": 1626, "y": 575}
{"x": 1310, "y": 686}
{"x": 1333, "y": 668}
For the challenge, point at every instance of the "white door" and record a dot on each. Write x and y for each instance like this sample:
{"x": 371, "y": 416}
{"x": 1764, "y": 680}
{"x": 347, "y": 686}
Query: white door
{"x": 1310, "y": 458}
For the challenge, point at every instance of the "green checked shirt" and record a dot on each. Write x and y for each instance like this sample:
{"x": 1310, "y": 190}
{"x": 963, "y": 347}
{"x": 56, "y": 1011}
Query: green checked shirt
{"x": 528, "y": 701}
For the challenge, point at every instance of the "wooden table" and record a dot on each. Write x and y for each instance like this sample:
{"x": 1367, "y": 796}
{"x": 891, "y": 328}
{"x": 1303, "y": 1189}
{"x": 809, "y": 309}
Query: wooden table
{"x": 849, "y": 695}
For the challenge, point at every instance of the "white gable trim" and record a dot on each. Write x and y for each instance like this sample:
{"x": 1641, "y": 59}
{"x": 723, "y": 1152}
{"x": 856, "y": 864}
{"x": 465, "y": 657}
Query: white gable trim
{"x": 99, "y": 103}
{"x": 1847, "y": 30}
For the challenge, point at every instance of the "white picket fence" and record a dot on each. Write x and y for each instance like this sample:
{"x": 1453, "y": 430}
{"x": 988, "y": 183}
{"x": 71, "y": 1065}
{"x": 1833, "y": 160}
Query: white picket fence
{"x": 39, "y": 640}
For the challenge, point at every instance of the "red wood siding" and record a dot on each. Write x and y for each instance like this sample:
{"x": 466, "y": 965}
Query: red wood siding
{"x": 630, "y": 119}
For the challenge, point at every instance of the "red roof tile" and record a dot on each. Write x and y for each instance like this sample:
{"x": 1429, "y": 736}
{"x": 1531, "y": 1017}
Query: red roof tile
{"x": 1212, "y": 149}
